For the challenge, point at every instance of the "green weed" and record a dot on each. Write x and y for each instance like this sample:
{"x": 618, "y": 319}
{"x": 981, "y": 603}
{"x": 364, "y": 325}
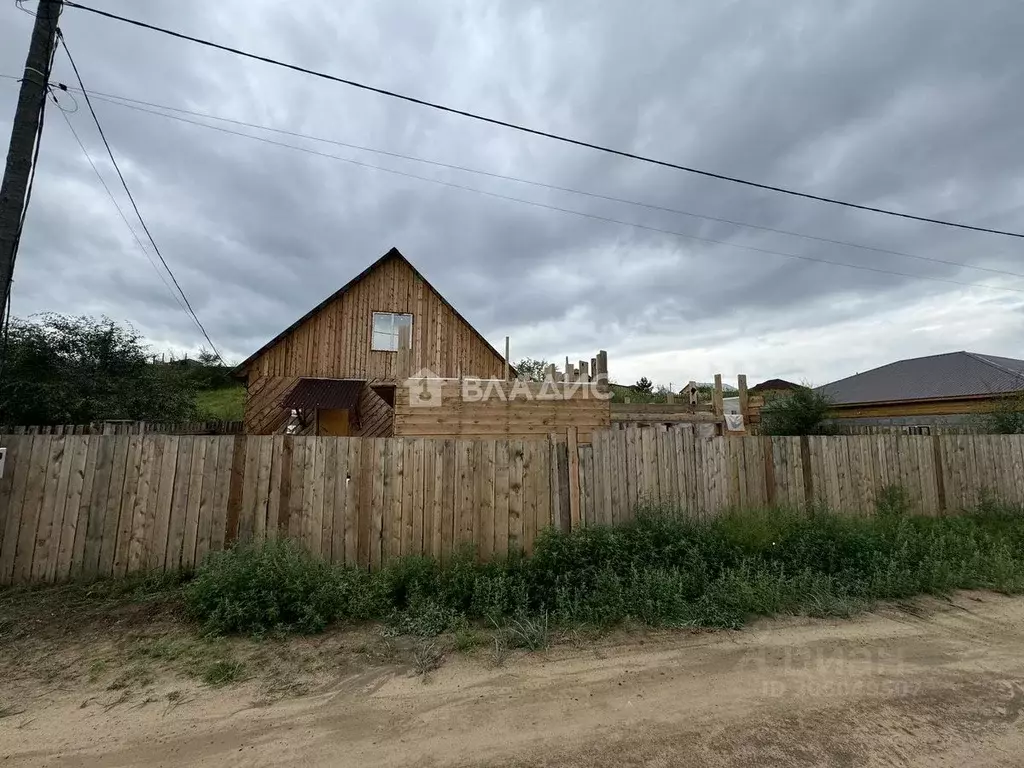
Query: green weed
{"x": 662, "y": 569}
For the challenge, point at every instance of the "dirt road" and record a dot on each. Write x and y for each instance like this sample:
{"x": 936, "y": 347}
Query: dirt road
{"x": 941, "y": 686}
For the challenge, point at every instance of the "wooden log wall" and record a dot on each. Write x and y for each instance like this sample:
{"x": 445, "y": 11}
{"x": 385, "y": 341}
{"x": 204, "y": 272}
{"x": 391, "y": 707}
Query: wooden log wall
{"x": 264, "y": 414}
{"x": 87, "y": 507}
{"x": 515, "y": 409}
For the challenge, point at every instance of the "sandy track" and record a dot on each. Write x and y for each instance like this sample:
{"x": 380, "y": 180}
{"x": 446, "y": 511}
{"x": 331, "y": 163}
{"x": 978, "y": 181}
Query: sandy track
{"x": 892, "y": 688}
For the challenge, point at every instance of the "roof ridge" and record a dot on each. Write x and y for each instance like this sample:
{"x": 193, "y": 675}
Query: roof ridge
{"x": 984, "y": 360}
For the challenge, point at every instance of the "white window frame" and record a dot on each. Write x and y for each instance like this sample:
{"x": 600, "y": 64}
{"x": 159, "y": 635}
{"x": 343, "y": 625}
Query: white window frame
{"x": 391, "y": 333}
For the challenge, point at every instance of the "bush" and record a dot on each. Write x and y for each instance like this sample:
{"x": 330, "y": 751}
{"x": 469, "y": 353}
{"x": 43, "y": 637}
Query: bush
{"x": 658, "y": 570}
{"x": 273, "y": 586}
{"x": 803, "y": 411}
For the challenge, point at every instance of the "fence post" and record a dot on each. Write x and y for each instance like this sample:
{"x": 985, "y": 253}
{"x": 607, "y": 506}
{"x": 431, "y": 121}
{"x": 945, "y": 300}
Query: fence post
{"x": 572, "y": 447}
{"x": 940, "y": 479}
{"x": 741, "y": 381}
{"x": 718, "y": 405}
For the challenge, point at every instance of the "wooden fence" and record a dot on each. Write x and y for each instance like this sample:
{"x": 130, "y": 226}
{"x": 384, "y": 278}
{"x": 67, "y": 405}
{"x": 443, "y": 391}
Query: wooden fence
{"x": 82, "y": 507}
{"x": 129, "y": 428}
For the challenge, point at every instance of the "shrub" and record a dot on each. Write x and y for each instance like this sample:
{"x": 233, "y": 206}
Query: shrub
{"x": 802, "y": 411}
{"x": 276, "y": 585}
{"x": 659, "y": 570}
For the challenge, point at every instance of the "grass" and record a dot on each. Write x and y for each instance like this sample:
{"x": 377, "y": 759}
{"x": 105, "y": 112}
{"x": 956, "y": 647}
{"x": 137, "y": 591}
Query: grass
{"x": 659, "y": 571}
{"x": 224, "y": 404}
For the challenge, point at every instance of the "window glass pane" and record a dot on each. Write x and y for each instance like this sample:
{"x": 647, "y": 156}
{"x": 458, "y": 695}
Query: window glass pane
{"x": 386, "y": 327}
{"x": 385, "y": 342}
{"x": 382, "y": 322}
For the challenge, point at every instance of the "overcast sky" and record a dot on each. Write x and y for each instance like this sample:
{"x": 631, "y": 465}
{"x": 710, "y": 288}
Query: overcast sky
{"x": 913, "y": 105}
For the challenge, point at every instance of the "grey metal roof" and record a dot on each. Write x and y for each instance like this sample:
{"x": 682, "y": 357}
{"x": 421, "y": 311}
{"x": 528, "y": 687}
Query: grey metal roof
{"x": 954, "y": 374}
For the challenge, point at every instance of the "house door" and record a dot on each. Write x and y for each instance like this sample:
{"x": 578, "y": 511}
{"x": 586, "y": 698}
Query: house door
{"x": 333, "y": 422}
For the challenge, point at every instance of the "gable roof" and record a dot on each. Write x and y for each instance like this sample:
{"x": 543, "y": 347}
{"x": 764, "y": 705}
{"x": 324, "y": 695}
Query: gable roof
{"x": 951, "y": 375}
{"x": 775, "y": 385}
{"x": 241, "y": 369}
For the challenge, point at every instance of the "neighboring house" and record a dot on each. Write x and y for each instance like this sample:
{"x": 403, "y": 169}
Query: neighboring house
{"x": 936, "y": 390}
{"x": 334, "y": 371}
{"x": 774, "y": 387}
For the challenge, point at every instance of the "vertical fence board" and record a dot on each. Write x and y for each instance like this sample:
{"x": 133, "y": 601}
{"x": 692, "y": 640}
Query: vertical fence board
{"x": 529, "y": 495}
{"x": 159, "y": 512}
{"x": 86, "y": 508}
{"x": 418, "y": 497}
{"x": 338, "y": 511}
{"x": 44, "y": 534}
{"x": 435, "y": 460}
{"x": 485, "y": 530}
{"x": 190, "y": 534}
{"x": 448, "y": 493}
{"x": 19, "y": 459}
{"x": 515, "y": 496}
{"x": 381, "y": 496}
{"x": 502, "y": 495}
{"x": 408, "y": 493}
{"x": 208, "y": 490}
{"x": 544, "y": 511}
{"x": 353, "y": 503}
{"x": 179, "y": 503}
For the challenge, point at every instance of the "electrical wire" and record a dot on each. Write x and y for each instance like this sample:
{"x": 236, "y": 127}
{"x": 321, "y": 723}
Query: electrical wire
{"x": 532, "y": 131}
{"x": 570, "y": 211}
{"x": 127, "y": 102}
{"x": 124, "y": 218}
{"x": 131, "y": 198}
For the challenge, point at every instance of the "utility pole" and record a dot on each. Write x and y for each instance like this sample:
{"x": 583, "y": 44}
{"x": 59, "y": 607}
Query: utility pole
{"x": 27, "y": 117}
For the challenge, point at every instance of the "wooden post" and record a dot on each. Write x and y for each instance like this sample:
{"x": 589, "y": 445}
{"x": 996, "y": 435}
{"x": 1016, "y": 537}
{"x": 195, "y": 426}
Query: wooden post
{"x": 744, "y": 400}
{"x": 572, "y": 447}
{"x": 718, "y": 406}
{"x": 506, "y": 359}
{"x": 602, "y": 369}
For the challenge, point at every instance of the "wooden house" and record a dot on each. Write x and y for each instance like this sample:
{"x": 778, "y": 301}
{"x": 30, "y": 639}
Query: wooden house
{"x": 335, "y": 370}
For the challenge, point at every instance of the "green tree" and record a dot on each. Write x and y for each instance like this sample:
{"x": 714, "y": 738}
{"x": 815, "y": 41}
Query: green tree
{"x": 530, "y": 369}
{"x": 76, "y": 370}
{"x": 1007, "y": 418}
{"x": 802, "y": 411}
{"x": 644, "y": 386}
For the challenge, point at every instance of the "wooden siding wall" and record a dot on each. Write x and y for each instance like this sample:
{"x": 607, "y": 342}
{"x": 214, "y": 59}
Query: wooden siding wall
{"x": 501, "y": 417}
{"x": 264, "y": 414}
{"x": 951, "y": 407}
{"x": 82, "y": 507}
{"x": 335, "y": 342}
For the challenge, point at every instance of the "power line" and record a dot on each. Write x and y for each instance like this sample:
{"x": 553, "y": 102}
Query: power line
{"x": 124, "y": 101}
{"x": 120, "y": 211}
{"x": 131, "y": 198}
{"x": 532, "y": 131}
{"x": 570, "y": 211}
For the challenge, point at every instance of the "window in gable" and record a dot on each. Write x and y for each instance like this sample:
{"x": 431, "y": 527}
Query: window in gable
{"x": 386, "y": 326}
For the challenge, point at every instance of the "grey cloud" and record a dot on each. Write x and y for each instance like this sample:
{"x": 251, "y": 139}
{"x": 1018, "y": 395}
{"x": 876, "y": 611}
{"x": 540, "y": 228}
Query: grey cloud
{"x": 910, "y": 105}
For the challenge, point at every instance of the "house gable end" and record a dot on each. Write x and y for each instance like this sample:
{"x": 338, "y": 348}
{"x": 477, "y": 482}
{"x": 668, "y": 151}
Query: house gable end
{"x": 334, "y": 339}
